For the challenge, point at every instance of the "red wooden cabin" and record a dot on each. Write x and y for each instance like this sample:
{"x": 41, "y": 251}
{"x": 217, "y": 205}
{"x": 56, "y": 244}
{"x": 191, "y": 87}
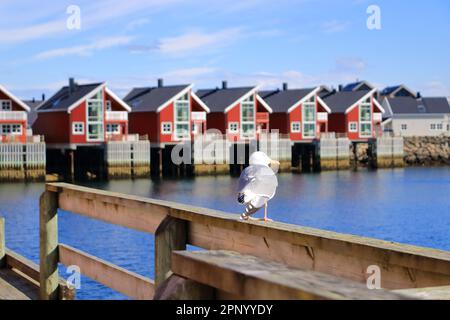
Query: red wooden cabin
{"x": 13, "y": 118}
{"x": 82, "y": 115}
{"x": 238, "y": 112}
{"x": 355, "y": 114}
{"x": 299, "y": 113}
{"x": 166, "y": 114}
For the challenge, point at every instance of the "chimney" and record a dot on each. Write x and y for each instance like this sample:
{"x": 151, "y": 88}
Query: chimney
{"x": 285, "y": 86}
{"x": 224, "y": 85}
{"x": 419, "y": 95}
{"x": 72, "y": 85}
{"x": 43, "y": 97}
{"x": 340, "y": 87}
{"x": 160, "y": 83}
{"x": 34, "y": 100}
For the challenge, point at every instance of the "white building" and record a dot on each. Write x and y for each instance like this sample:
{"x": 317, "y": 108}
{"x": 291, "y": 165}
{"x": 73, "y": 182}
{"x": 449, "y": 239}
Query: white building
{"x": 406, "y": 116}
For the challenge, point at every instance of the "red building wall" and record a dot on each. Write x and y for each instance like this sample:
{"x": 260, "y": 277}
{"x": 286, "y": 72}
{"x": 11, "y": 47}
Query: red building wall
{"x": 216, "y": 120}
{"x": 280, "y": 121}
{"x": 16, "y": 137}
{"x": 144, "y": 123}
{"x": 54, "y": 126}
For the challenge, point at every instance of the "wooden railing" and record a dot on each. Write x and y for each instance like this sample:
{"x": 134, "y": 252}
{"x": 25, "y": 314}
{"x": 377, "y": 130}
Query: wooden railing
{"x": 176, "y": 225}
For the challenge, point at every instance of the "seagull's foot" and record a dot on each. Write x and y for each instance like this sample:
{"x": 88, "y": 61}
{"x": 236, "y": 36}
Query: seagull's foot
{"x": 244, "y": 217}
{"x": 267, "y": 220}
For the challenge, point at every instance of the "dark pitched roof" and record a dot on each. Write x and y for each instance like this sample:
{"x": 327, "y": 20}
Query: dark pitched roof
{"x": 151, "y": 98}
{"x": 32, "y": 115}
{"x": 340, "y": 101}
{"x": 409, "y": 105}
{"x": 282, "y": 100}
{"x": 62, "y": 100}
{"x": 354, "y": 85}
{"x": 218, "y": 100}
{"x": 436, "y": 105}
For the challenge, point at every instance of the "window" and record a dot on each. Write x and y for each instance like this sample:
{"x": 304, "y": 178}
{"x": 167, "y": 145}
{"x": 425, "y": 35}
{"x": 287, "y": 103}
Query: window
{"x": 5, "y": 129}
{"x": 95, "y": 128}
{"x": 108, "y": 105}
{"x": 248, "y": 117}
{"x": 365, "y": 118}
{"x": 182, "y": 109}
{"x": 166, "y": 127}
{"x": 309, "y": 118}
{"x": 433, "y": 126}
{"x": 404, "y": 127}
{"x": 16, "y": 129}
{"x": 233, "y": 127}
{"x": 5, "y": 105}
{"x": 113, "y": 128}
{"x": 439, "y": 126}
{"x": 353, "y": 127}
{"x": 77, "y": 128}
{"x": 296, "y": 126}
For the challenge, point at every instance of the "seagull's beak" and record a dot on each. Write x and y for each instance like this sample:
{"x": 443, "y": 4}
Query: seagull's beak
{"x": 274, "y": 165}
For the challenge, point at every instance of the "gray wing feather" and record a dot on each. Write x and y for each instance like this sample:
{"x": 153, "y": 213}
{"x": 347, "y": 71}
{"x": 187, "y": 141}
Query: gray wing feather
{"x": 260, "y": 180}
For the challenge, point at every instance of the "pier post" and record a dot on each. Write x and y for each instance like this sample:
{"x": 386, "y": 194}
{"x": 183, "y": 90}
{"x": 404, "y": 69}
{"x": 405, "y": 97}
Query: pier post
{"x": 170, "y": 235}
{"x": 48, "y": 278}
{"x": 2, "y": 242}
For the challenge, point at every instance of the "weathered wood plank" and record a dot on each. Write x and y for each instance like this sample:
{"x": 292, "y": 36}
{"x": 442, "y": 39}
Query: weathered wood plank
{"x": 179, "y": 288}
{"x": 170, "y": 235}
{"x": 402, "y": 266}
{"x": 2, "y": 242}
{"x": 116, "y": 210}
{"x": 112, "y": 276}
{"x": 48, "y": 221}
{"x": 15, "y": 287}
{"x": 249, "y": 277}
{"x": 433, "y": 293}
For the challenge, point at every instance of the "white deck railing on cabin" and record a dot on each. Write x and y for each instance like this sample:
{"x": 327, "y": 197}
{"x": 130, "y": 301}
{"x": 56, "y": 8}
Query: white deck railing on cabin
{"x": 13, "y": 115}
{"x": 322, "y": 116}
{"x": 116, "y": 116}
{"x": 198, "y": 115}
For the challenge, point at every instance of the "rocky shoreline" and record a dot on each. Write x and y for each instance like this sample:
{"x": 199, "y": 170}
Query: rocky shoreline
{"x": 426, "y": 151}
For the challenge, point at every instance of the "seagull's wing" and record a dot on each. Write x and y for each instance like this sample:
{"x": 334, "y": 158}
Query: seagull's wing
{"x": 259, "y": 180}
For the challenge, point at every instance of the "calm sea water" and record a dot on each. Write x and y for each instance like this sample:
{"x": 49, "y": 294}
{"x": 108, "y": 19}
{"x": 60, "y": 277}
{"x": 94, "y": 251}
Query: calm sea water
{"x": 405, "y": 205}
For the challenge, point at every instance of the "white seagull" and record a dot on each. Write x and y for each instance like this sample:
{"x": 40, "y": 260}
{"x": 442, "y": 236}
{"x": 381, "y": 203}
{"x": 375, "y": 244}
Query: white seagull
{"x": 257, "y": 184}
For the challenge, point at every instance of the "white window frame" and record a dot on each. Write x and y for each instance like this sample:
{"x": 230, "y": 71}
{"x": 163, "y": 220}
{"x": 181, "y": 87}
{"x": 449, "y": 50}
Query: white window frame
{"x": 231, "y": 130}
{"x": 365, "y": 122}
{"x": 184, "y": 99}
{"x": 433, "y": 127}
{"x": 355, "y": 124}
{"x": 168, "y": 123}
{"x": 74, "y": 131}
{"x": 100, "y": 121}
{"x": 18, "y": 132}
{"x": 299, "y": 130}
{"x": 9, "y": 102}
{"x": 439, "y": 127}
{"x": 108, "y": 105}
{"x": 248, "y": 102}
{"x": 110, "y": 125}
{"x": 311, "y": 103}
{"x": 404, "y": 127}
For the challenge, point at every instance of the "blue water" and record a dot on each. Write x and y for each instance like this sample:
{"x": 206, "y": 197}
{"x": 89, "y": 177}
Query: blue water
{"x": 405, "y": 205}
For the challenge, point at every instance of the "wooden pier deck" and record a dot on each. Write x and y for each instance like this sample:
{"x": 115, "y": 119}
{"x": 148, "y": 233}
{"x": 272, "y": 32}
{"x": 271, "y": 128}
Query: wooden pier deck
{"x": 240, "y": 260}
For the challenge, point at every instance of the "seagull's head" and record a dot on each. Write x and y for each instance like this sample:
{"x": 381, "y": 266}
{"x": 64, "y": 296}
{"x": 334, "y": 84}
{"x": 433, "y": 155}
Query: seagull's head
{"x": 260, "y": 158}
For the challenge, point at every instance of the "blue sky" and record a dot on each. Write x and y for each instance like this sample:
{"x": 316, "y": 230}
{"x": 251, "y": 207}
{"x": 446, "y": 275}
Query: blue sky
{"x": 249, "y": 42}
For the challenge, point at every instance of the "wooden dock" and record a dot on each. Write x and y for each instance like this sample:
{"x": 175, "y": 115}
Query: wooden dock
{"x": 240, "y": 260}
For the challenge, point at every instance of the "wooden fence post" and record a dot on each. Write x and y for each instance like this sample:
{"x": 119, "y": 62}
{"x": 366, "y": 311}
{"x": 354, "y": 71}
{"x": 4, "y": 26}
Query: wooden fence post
{"x": 49, "y": 280}
{"x": 2, "y": 242}
{"x": 170, "y": 235}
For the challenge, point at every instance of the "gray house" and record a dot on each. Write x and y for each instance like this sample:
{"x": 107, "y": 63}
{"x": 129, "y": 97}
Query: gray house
{"x": 407, "y": 116}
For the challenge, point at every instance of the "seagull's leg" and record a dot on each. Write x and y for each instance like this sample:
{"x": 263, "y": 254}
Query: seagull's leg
{"x": 265, "y": 212}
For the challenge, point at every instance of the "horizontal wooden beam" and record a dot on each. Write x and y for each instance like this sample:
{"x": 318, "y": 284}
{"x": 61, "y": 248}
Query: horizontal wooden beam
{"x": 129, "y": 283}
{"x": 433, "y": 293}
{"x": 249, "y": 277}
{"x": 402, "y": 266}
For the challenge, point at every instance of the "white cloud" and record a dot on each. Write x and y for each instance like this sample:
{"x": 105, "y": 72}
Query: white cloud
{"x": 85, "y": 50}
{"x": 435, "y": 88}
{"x": 197, "y": 40}
{"x": 335, "y": 26}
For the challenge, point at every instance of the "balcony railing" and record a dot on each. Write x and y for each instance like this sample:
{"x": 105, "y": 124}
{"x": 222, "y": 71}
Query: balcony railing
{"x": 198, "y": 116}
{"x": 322, "y": 116}
{"x": 116, "y": 116}
{"x": 262, "y": 117}
{"x": 13, "y": 115}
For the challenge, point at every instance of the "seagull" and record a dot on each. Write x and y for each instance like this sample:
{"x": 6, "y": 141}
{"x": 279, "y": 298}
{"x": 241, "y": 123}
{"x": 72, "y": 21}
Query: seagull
{"x": 257, "y": 184}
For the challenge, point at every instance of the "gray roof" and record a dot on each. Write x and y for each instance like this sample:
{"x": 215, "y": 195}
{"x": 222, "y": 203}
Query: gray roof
{"x": 62, "y": 100}
{"x": 32, "y": 115}
{"x": 151, "y": 98}
{"x": 340, "y": 101}
{"x": 409, "y": 105}
{"x": 282, "y": 100}
{"x": 218, "y": 100}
